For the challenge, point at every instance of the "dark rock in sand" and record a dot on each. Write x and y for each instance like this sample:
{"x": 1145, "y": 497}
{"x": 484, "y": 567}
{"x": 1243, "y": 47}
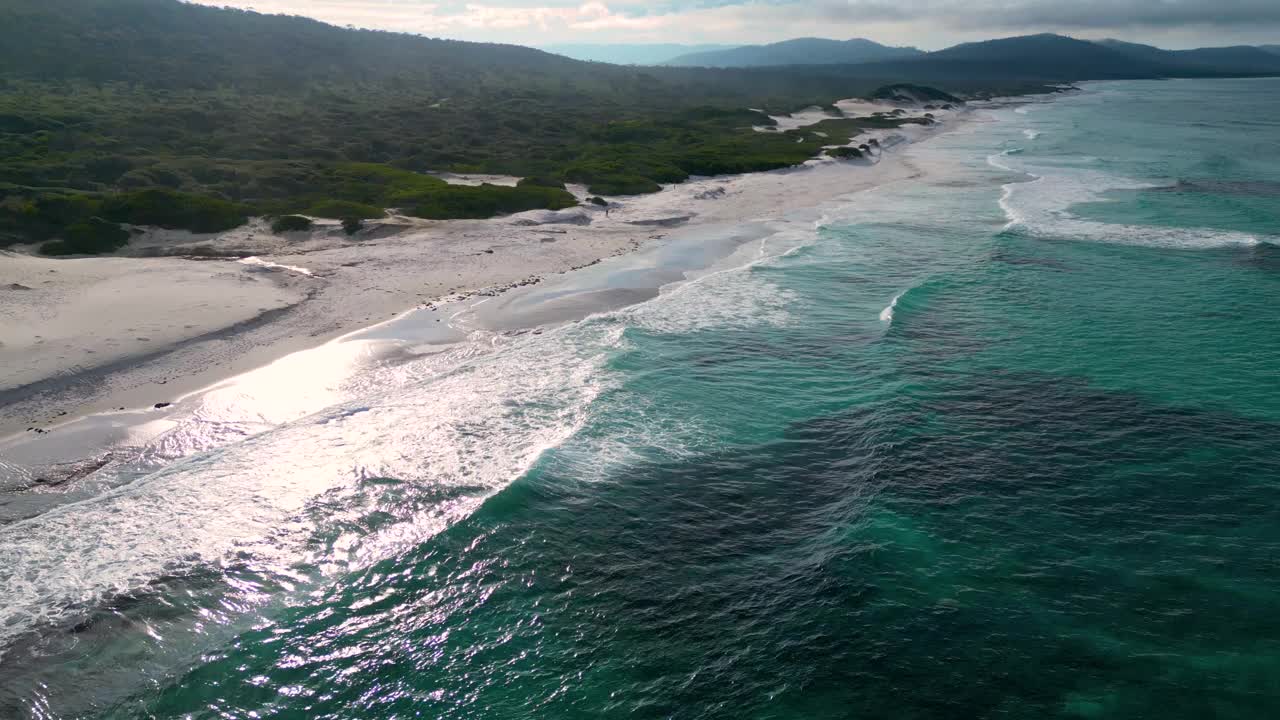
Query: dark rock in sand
{"x": 160, "y": 406}
{"x": 16, "y": 286}
{"x": 67, "y": 472}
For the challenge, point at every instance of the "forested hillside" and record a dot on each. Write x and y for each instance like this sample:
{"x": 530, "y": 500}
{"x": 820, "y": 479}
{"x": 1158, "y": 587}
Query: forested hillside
{"x": 160, "y": 112}
{"x": 110, "y": 109}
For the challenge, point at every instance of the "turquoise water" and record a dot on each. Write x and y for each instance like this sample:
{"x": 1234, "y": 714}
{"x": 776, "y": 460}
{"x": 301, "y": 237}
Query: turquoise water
{"x": 1002, "y": 440}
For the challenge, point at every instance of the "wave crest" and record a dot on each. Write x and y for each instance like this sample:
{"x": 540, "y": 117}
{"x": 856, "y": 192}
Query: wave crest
{"x": 1042, "y": 208}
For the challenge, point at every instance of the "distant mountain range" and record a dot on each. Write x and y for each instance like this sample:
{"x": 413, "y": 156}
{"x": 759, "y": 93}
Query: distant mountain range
{"x": 1240, "y": 57}
{"x": 801, "y": 51}
{"x": 1049, "y": 56}
{"x": 1028, "y": 58}
{"x": 1044, "y": 57}
{"x": 1055, "y": 58}
{"x": 630, "y": 54}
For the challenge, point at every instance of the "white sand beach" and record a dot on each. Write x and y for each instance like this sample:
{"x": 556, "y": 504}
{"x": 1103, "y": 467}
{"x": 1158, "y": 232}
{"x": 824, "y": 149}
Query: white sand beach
{"x": 91, "y": 335}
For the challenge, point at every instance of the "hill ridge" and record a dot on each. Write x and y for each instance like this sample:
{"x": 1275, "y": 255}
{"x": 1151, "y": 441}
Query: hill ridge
{"x": 797, "y": 51}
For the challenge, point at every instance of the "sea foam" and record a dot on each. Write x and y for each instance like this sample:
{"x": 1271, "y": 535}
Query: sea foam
{"x": 458, "y": 425}
{"x": 886, "y": 315}
{"x": 460, "y": 433}
{"x": 1042, "y": 208}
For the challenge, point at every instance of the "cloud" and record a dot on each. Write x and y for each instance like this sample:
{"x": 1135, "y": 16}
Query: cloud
{"x": 927, "y": 23}
{"x": 1103, "y": 14}
{"x": 439, "y": 18}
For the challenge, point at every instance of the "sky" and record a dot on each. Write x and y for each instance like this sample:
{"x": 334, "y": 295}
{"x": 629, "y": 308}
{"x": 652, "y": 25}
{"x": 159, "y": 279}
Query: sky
{"x": 927, "y": 24}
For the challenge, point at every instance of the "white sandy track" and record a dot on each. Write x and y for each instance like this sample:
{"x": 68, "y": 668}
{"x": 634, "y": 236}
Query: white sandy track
{"x": 59, "y": 315}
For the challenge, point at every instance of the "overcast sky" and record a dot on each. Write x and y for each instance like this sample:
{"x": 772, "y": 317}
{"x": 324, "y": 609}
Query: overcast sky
{"x": 928, "y": 24}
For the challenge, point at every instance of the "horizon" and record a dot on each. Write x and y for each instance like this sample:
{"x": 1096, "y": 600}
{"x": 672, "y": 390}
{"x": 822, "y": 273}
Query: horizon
{"x": 924, "y": 24}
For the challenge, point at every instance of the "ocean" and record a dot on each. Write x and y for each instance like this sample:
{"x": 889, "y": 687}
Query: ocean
{"x": 1001, "y": 439}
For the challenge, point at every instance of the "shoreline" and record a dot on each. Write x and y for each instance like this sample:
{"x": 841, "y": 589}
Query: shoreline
{"x": 326, "y": 287}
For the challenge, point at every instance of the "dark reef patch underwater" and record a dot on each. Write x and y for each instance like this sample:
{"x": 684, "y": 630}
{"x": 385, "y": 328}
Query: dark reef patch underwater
{"x": 989, "y": 443}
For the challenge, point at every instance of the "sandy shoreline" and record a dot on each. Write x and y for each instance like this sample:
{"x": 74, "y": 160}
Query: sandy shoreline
{"x": 239, "y": 316}
{"x": 85, "y": 336}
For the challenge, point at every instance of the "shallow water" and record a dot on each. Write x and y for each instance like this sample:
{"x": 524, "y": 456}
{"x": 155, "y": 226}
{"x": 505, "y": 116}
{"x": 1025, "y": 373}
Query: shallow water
{"x": 997, "y": 441}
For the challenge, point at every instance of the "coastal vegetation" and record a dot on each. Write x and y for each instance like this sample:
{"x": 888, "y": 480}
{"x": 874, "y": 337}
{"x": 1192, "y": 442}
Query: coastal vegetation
{"x": 157, "y": 112}
{"x": 88, "y": 237}
{"x": 290, "y": 223}
{"x": 845, "y": 153}
{"x": 627, "y": 158}
{"x": 205, "y": 161}
{"x": 38, "y": 214}
{"x": 345, "y": 209}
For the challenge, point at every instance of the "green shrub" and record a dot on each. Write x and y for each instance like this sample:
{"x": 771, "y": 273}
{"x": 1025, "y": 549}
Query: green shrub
{"x": 623, "y": 185}
{"x": 374, "y": 184}
{"x": 845, "y": 152}
{"x": 63, "y": 210}
{"x": 360, "y": 189}
{"x": 174, "y": 210}
{"x": 290, "y": 223}
{"x": 699, "y": 142}
{"x": 609, "y": 165}
{"x": 728, "y": 116}
{"x": 594, "y": 200}
{"x": 26, "y": 218}
{"x": 107, "y": 169}
{"x": 483, "y": 201}
{"x": 345, "y": 209}
{"x": 627, "y": 131}
{"x": 541, "y": 181}
{"x": 88, "y": 237}
{"x": 352, "y": 225}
